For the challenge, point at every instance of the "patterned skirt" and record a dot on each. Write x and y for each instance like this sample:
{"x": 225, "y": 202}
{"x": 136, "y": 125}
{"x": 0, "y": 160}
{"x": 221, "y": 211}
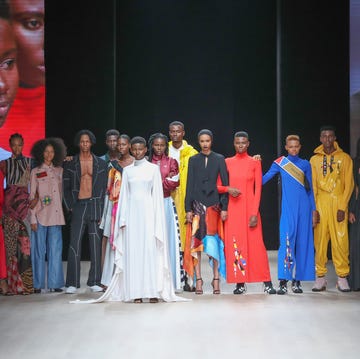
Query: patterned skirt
{"x": 205, "y": 234}
{"x": 18, "y": 261}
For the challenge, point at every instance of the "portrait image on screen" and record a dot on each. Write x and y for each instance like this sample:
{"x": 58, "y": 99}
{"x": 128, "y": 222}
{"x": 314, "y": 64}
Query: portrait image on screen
{"x": 22, "y": 102}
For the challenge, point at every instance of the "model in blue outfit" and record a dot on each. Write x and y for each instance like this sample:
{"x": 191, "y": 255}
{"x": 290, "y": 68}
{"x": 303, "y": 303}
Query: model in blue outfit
{"x": 298, "y": 215}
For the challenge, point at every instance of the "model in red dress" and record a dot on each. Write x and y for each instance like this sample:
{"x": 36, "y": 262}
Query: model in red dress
{"x": 245, "y": 252}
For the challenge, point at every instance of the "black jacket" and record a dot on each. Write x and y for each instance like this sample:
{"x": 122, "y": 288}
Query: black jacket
{"x": 71, "y": 184}
{"x": 202, "y": 181}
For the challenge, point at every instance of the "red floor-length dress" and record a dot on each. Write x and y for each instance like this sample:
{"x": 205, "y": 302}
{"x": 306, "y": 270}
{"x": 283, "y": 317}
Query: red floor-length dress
{"x": 245, "y": 252}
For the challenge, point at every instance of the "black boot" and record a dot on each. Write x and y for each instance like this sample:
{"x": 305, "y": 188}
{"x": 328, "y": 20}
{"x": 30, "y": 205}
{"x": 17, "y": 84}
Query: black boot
{"x": 282, "y": 287}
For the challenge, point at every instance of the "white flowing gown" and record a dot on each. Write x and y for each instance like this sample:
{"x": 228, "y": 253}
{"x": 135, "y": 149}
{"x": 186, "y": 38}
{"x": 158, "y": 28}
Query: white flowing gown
{"x": 142, "y": 268}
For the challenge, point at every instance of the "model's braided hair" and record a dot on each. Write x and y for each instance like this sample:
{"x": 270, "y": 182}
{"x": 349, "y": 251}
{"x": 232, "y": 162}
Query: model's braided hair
{"x": 151, "y": 141}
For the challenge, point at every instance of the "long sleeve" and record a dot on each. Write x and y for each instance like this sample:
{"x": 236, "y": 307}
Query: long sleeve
{"x": 310, "y": 193}
{"x": 273, "y": 170}
{"x": 257, "y": 189}
{"x": 123, "y": 201}
{"x": 348, "y": 181}
{"x": 68, "y": 201}
{"x": 224, "y": 199}
{"x": 314, "y": 176}
{"x": 170, "y": 185}
{"x": 33, "y": 188}
{"x": 189, "y": 185}
{"x": 221, "y": 189}
{"x": 157, "y": 198}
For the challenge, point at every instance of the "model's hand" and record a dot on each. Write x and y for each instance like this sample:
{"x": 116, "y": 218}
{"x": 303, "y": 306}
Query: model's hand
{"x": 34, "y": 227}
{"x": 253, "y": 221}
{"x": 340, "y": 216}
{"x": 234, "y": 192}
{"x": 315, "y": 218}
{"x": 68, "y": 158}
{"x": 352, "y": 218}
{"x": 257, "y": 157}
{"x": 34, "y": 201}
{"x": 224, "y": 215}
{"x": 189, "y": 217}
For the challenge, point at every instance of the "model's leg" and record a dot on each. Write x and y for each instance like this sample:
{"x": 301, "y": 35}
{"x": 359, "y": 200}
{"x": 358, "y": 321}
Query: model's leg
{"x": 38, "y": 251}
{"x": 340, "y": 249}
{"x": 74, "y": 254}
{"x": 199, "y": 281}
{"x": 322, "y": 235}
{"x": 94, "y": 278}
{"x": 55, "y": 267}
{"x": 321, "y": 240}
{"x": 216, "y": 280}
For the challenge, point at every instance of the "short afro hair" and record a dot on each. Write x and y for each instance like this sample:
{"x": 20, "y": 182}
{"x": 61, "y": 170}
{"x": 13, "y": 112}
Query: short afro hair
{"x": 138, "y": 139}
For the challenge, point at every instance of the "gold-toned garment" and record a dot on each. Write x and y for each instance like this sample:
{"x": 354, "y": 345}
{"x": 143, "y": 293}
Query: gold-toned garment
{"x": 333, "y": 184}
{"x": 179, "y": 194}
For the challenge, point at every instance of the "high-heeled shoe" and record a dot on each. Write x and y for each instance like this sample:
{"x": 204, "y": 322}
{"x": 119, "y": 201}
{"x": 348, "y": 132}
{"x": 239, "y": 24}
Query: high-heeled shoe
{"x": 199, "y": 291}
{"x": 215, "y": 291}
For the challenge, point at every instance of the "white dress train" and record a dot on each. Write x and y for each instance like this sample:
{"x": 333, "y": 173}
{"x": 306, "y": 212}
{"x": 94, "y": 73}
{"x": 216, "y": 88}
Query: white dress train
{"x": 142, "y": 265}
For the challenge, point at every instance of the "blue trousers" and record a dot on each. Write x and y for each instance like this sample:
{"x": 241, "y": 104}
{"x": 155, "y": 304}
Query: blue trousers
{"x": 47, "y": 240}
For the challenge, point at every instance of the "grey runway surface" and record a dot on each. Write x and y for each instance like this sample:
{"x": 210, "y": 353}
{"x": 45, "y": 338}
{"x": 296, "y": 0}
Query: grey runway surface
{"x": 252, "y": 325}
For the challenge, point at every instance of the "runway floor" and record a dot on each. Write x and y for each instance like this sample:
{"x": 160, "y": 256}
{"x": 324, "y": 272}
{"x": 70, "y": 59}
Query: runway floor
{"x": 253, "y": 325}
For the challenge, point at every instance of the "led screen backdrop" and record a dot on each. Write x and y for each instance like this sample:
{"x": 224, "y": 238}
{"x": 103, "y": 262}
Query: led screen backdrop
{"x": 22, "y": 83}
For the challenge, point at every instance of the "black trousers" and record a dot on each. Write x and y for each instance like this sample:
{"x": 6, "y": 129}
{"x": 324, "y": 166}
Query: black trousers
{"x": 80, "y": 220}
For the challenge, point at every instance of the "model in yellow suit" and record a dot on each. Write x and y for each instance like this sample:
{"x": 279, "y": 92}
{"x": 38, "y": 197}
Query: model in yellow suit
{"x": 181, "y": 151}
{"x": 332, "y": 174}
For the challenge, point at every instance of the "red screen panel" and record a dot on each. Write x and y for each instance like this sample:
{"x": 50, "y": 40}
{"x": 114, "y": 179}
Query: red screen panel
{"x": 26, "y": 114}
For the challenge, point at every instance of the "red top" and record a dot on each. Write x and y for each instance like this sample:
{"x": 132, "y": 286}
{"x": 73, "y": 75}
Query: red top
{"x": 168, "y": 169}
{"x": 27, "y": 117}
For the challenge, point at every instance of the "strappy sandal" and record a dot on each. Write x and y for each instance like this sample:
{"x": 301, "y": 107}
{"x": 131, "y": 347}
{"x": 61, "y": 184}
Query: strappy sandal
{"x": 154, "y": 300}
{"x": 215, "y": 291}
{"x": 199, "y": 291}
{"x": 138, "y": 300}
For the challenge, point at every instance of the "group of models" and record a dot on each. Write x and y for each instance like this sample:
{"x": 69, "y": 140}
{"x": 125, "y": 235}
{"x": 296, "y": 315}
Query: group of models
{"x": 151, "y": 209}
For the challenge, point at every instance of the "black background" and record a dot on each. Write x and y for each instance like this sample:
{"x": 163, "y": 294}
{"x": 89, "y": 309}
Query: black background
{"x": 137, "y": 65}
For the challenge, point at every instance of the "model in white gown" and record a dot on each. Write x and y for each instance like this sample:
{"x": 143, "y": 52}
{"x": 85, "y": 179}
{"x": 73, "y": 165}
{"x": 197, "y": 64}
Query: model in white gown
{"x": 141, "y": 255}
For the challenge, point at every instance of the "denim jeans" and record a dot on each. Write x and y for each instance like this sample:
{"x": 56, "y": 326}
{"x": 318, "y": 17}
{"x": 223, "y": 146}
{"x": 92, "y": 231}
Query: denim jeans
{"x": 47, "y": 240}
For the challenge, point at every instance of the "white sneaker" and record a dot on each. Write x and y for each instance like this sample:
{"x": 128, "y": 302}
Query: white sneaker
{"x": 342, "y": 284}
{"x": 70, "y": 290}
{"x": 96, "y": 288}
{"x": 319, "y": 285}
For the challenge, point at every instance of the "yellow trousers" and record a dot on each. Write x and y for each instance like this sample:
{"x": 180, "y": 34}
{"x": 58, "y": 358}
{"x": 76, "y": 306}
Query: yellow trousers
{"x": 330, "y": 229}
